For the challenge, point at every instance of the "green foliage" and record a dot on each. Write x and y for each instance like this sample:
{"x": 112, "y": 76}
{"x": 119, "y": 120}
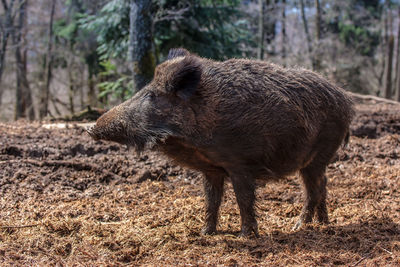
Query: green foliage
{"x": 71, "y": 32}
{"x": 353, "y": 22}
{"x": 214, "y": 29}
{"x": 111, "y": 26}
{"x": 65, "y": 30}
{"x": 211, "y": 28}
{"x": 116, "y": 85}
{"x": 363, "y": 40}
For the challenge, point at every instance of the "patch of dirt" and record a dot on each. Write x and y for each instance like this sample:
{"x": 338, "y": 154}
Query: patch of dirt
{"x": 375, "y": 120}
{"x": 68, "y": 200}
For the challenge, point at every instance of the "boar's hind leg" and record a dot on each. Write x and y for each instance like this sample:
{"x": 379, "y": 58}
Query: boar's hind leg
{"x": 213, "y": 189}
{"x": 314, "y": 180}
{"x": 313, "y": 174}
{"x": 244, "y": 188}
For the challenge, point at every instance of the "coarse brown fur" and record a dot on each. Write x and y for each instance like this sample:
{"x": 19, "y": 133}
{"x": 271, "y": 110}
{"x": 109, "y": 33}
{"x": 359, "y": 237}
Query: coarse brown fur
{"x": 242, "y": 119}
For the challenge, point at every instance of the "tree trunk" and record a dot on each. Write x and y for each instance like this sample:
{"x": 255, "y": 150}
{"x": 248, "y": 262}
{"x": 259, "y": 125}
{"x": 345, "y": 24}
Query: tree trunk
{"x": 4, "y": 40}
{"x": 317, "y": 20}
{"x": 398, "y": 86}
{"x": 92, "y": 91}
{"x": 260, "y": 48}
{"x": 81, "y": 92}
{"x": 398, "y": 59}
{"x": 398, "y": 44}
{"x": 398, "y": 89}
{"x": 388, "y": 68}
{"x": 140, "y": 43}
{"x": 383, "y": 46}
{"x": 44, "y": 96}
{"x": 306, "y": 30}
{"x": 71, "y": 91}
{"x": 387, "y": 93}
{"x": 317, "y": 52}
{"x": 284, "y": 32}
{"x": 270, "y": 20}
{"x": 24, "y": 105}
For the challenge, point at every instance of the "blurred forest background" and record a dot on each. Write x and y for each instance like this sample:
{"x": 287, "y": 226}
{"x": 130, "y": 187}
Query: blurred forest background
{"x": 59, "y": 57}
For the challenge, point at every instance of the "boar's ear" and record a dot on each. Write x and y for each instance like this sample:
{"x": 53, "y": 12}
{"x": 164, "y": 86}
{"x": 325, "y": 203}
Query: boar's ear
{"x": 185, "y": 77}
{"x": 177, "y": 52}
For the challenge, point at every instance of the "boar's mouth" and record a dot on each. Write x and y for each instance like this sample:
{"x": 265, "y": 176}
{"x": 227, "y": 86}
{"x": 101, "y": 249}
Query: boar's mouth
{"x": 136, "y": 138}
{"x": 111, "y": 132}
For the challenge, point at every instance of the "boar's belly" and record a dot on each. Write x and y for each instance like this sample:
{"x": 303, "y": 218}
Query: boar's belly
{"x": 189, "y": 156}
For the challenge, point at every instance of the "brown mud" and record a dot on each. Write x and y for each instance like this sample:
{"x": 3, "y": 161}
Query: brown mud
{"x": 66, "y": 199}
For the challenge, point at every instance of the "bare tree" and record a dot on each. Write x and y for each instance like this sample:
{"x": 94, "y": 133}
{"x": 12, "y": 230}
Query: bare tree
{"x": 260, "y": 48}
{"x": 398, "y": 59}
{"x": 44, "y": 96}
{"x": 270, "y": 21}
{"x": 383, "y": 47}
{"x": 283, "y": 22}
{"x": 6, "y": 29}
{"x": 140, "y": 43}
{"x": 317, "y": 56}
{"x": 317, "y": 20}
{"x": 24, "y": 105}
{"x": 71, "y": 80}
{"x": 387, "y": 93}
{"x": 306, "y": 30}
{"x": 388, "y": 68}
{"x": 91, "y": 94}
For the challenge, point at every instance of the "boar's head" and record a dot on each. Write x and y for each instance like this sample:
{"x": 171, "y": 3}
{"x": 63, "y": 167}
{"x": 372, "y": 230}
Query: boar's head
{"x": 158, "y": 111}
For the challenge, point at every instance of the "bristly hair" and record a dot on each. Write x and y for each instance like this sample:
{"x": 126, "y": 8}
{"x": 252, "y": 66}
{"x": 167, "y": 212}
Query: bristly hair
{"x": 177, "y": 52}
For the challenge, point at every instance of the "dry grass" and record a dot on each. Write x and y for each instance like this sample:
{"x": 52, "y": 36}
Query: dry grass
{"x": 60, "y": 215}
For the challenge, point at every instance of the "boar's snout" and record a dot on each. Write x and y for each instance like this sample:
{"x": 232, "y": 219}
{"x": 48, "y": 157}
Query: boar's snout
{"x": 92, "y": 132}
{"x": 110, "y": 126}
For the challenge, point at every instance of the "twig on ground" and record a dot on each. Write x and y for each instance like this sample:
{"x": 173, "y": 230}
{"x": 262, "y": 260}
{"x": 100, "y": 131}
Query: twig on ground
{"x": 384, "y": 249}
{"x": 375, "y": 98}
{"x": 18, "y": 226}
{"x": 360, "y": 260}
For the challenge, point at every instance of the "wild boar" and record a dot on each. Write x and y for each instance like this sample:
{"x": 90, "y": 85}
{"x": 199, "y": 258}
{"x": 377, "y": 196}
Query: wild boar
{"x": 239, "y": 119}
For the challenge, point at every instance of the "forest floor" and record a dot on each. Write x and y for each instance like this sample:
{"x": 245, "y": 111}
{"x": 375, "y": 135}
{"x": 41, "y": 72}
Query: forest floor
{"x": 70, "y": 201}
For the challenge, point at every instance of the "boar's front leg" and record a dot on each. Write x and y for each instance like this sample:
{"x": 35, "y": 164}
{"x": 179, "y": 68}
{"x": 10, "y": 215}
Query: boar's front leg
{"x": 213, "y": 189}
{"x": 244, "y": 188}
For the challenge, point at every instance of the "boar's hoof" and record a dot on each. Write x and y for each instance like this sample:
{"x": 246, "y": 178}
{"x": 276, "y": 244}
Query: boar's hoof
{"x": 209, "y": 230}
{"x": 322, "y": 216}
{"x": 247, "y": 231}
{"x": 299, "y": 224}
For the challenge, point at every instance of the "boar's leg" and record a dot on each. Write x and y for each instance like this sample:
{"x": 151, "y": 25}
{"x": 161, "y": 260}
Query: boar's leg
{"x": 314, "y": 180}
{"x": 244, "y": 188}
{"x": 213, "y": 189}
{"x": 322, "y": 211}
{"x": 313, "y": 174}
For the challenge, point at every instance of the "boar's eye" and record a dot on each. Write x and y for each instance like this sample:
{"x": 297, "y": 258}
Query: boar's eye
{"x": 148, "y": 95}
